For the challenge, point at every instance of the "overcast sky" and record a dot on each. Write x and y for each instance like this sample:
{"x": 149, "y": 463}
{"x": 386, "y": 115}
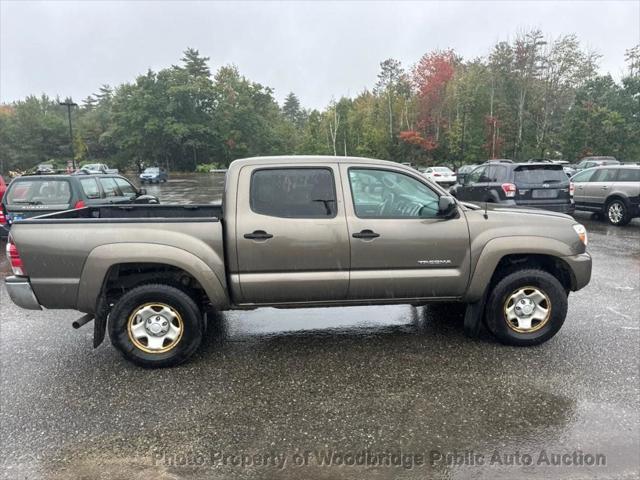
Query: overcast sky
{"x": 317, "y": 50}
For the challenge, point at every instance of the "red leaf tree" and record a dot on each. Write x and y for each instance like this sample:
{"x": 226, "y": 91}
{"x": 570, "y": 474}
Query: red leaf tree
{"x": 430, "y": 78}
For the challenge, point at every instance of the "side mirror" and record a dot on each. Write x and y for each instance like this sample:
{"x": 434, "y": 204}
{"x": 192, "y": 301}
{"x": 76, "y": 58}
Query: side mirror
{"x": 446, "y": 206}
{"x": 142, "y": 191}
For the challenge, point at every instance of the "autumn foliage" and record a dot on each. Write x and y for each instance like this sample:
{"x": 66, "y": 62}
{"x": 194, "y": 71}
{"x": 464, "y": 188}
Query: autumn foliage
{"x": 430, "y": 78}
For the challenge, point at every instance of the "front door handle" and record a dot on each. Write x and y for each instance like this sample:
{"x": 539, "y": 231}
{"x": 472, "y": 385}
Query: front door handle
{"x": 366, "y": 234}
{"x": 258, "y": 235}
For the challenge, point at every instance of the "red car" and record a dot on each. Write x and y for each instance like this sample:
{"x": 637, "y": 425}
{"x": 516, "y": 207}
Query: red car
{"x": 3, "y": 220}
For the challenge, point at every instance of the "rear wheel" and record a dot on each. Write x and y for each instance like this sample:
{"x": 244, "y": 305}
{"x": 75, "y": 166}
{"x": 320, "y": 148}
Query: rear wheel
{"x": 156, "y": 326}
{"x": 617, "y": 213}
{"x": 526, "y": 307}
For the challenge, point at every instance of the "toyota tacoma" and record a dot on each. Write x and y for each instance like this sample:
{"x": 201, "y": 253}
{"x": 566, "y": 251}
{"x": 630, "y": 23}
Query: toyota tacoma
{"x": 298, "y": 232}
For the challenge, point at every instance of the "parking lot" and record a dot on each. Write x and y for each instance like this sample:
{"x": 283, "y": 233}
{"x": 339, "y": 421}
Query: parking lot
{"x": 310, "y": 393}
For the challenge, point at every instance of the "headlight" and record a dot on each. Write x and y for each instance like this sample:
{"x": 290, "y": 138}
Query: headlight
{"x": 582, "y": 233}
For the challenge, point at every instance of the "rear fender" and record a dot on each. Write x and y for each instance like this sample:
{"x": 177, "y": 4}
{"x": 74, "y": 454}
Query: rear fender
{"x": 102, "y": 258}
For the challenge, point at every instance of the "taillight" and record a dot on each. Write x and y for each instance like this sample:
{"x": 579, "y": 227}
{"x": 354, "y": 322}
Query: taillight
{"x": 79, "y": 204}
{"x": 437, "y": 175}
{"x": 572, "y": 188}
{"x": 3, "y": 219}
{"x": 509, "y": 190}
{"x": 14, "y": 258}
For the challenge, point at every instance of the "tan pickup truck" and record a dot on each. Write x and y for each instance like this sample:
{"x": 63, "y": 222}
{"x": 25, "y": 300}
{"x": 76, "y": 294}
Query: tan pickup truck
{"x": 298, "y": 232}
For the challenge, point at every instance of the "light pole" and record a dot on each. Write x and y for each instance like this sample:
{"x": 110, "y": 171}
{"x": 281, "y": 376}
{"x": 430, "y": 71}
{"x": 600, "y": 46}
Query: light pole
{"x": 69, "y": 103}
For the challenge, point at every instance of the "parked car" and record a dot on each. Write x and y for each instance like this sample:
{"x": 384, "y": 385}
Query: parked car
{"x": 541, "y": 185}
{"x": 463, "y": 171}
{"x": 153, "y": 175}
{"x": 3, "y": 187}
{"x": 97, "y": 168}
{"x": 590, "y": 162}
{"x": 611, "y": 191}
{"x": 3, "y": 221}
{"x": 45, "y": 169}
{"x": 298, "y": 232}
{"x": 32, "y": 195}
{"x": 443, "y": 176}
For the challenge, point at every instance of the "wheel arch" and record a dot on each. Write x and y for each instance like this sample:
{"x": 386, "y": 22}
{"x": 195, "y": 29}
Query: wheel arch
{"x": 617, "y": 196}
{"x": 503, "y": 255}
{"x": 105, "y": 259}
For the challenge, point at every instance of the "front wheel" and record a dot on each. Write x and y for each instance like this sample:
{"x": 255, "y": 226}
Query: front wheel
{"x": 617, "y": 213}
{"x": 526, "y": 307}
{"x": 156, "y": 326}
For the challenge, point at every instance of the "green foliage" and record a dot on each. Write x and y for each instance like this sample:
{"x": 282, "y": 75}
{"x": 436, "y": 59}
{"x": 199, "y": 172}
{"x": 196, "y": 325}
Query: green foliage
{"x": 529, "y": 98}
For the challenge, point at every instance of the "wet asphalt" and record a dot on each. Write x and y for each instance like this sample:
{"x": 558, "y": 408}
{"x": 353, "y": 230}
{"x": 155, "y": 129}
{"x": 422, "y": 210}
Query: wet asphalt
{"x": 377, "y": 392}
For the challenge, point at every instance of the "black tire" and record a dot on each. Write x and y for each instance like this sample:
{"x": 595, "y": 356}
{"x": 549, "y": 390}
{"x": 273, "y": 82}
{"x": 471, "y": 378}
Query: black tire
{"x": 191, "y": 321}
{"x": 495, "y": 317}
{"x": 618, "y": 217}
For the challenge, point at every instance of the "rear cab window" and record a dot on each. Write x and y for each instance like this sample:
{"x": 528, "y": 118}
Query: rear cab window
{"x": 39, "y": 191}
{"x": 539, "y": 174}
{"x": 293, "y": 192}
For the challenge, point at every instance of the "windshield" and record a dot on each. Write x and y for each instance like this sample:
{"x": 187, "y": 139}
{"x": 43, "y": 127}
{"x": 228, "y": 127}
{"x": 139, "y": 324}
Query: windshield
{"x": 540, "y": 174}
{"x": 442, "y": 169}
{"x": 151, "y": 170}
{"x": 39, "y": 192}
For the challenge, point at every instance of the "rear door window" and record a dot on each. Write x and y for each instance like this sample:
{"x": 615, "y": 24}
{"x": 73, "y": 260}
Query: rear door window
{"x": 604, "y": 175}
{"x": 474, "y": 177}
{"x": 294, "y": 192}
{"x": 539, "y": 174}
{"x": 90, "y": 187}
{"x": 583, "y": 176}
{"x": 497, "y": 173}
{"x": 39, "y": 192}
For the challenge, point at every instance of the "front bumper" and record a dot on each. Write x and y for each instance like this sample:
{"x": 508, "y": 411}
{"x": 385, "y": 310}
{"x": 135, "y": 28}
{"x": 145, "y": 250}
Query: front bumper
{"x": 21, "y": 293}
{"x": 580, "y": 266}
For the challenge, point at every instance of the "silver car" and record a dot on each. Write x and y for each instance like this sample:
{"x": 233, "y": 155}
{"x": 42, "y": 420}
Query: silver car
{"x": 612, "y": 191}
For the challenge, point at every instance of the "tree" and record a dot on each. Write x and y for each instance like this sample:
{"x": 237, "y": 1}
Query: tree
{"x": 291, "y": 109}
{"x": 388, "y": 85}
{"x": 194, "y": 64}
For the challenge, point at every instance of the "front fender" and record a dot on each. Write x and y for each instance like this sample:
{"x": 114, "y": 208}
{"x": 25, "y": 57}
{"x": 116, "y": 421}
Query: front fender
{"x": 497, "y": 248}
{"x": 102, "y": 258}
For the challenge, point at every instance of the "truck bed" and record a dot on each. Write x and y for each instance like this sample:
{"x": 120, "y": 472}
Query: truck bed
{"x": 64, "y": 252}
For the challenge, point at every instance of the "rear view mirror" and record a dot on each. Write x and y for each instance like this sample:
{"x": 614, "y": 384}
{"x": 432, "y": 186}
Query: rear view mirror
{"x": 446, "y": 206}
{"x": 142, "y": 191}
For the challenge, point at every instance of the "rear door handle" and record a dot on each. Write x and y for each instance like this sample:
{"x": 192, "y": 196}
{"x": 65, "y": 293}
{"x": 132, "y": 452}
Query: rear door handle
{"x": 258, "y": 235}
{"x": 605, "y": 187}
{"x": 366, "y": 234}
